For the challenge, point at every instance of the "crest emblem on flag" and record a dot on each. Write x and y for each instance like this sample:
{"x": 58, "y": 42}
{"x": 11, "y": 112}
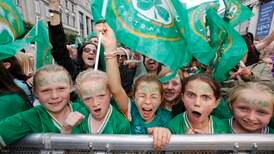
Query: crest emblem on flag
{"x": 232, "y": 12}
{"x": 157, "y": 10}
{"x": 150, "y": 19}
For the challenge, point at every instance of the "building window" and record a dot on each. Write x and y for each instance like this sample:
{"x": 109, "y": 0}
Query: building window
{"x": 17, "y": 2}
{"x": 72, "y": 8}
{"x": 87, "y": 23}
{"x": 81, "y": 20}
{"x": 66, "y": 4}
{"x": 64, "y": 18}
{"x": 47, "y": 11}
{"x": 67, "y": 19}
{"x": 37, "y": 7}
{"x": 73, "y": 21}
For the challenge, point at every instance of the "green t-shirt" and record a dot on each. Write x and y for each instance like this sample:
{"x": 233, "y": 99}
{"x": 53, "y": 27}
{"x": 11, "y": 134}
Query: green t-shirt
{"x": 114, "y": 123}
{"x": 10, "y": 104}
{"x": 35, "y": 120}
{"x": 265, "y": 130}
{"x": 222, "y": 111}
{"x": 180, "y": 125}
{"x": 138, "y": 126}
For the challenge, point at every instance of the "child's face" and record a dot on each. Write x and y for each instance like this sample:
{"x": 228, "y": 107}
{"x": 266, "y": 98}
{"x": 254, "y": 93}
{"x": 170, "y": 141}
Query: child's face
{"x": 53, "y": 90}
{"x": 252, "y": 111}
{"x": 148, "y": 99}
{"x": 199, "y": 101}
{"x": 96, "y": 97}
{"x": 172, "y": 89}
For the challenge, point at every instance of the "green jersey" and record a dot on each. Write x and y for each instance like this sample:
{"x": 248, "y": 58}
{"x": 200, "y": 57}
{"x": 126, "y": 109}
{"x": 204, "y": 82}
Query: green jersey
{"x": 265, "y": 130}
{"x": 180, "y": 124}
{"x": 138, "y": 125}
{"x": 114, "y": 123}
{"x": 35, "y": 120}
{"x": 10, "y": 104}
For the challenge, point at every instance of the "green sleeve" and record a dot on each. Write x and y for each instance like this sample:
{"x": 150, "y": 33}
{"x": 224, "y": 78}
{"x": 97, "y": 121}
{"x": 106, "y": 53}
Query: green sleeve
{"x": 11, "y": 104}
{"x": 18, "y": 126}
{"x": 176, "y": 125}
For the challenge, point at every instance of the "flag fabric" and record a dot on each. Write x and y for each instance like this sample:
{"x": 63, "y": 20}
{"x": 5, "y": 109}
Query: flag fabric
{"x": 199, "y": 45}
{"x": 10, "y": 49}
{"x": 236, "y": 12}
{"x": 147, "y": 27}
{"x": 11, "y": 23}
{"x": 229, "y": 44}
{"x": 39, "y": 34}
{"x": 11, "y": 27}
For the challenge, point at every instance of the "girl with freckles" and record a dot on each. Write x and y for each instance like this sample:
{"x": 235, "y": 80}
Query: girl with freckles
{"x": 56, "y": 114}
{"x": 252, "y": 105}
{"x": 200, "y": 95}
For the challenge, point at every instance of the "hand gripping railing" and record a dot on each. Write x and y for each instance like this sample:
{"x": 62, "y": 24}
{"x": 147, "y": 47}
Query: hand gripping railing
{"x": 135, "y": 143}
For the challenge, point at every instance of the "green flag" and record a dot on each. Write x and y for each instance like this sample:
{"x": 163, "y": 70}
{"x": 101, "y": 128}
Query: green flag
{"x": 147, "y": 27}
{"x": 236, "y": 12}
{"x": 199, "y": 45}
{"x": 229, "y": 44}
{"x": 11, "y": 26}
{"x": 11, "y": 23}
{"x": 10, "y": 49}
{"x": 39, "y": 34}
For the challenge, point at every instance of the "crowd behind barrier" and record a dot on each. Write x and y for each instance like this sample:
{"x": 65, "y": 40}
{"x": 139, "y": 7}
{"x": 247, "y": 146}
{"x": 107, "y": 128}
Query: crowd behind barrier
{"x": 58, "y": 143}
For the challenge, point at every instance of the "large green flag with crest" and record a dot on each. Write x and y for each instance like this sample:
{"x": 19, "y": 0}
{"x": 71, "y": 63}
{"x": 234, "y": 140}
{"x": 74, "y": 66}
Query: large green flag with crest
{"x": 199, "y": 45}
{"x": 229, "y": 44}
{"x": 39, "y": 34}
{"x": 11, "y": 23}
{"x": 147, "y": 27}
{"x": 236, "y": 12}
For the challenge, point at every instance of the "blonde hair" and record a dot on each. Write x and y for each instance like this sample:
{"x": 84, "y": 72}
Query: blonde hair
{"x": 25, "y": 64}
{"x": 236, "y": 91}
{"x": 90, "y": 75}
{"x": 50, "y": 68}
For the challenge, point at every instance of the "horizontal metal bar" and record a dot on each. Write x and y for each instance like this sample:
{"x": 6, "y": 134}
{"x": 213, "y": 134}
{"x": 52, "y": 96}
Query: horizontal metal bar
{"x": 144, "y": 142}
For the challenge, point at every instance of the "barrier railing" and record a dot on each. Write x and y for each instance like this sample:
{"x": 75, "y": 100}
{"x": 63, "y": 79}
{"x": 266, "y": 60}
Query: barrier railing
{"x": 40, "y": 143}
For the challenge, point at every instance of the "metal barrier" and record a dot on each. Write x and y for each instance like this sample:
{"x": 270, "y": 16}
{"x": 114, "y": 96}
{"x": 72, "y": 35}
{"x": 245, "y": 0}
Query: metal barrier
{"x": 59, "y": 143}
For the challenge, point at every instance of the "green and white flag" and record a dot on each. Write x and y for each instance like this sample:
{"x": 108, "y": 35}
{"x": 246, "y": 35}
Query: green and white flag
{"x": 147, "y": 27}
{"x": 229, "y": 44}
{"x": 236, "y": 12}
{"x": 11, "y": 27}
{"x": 11, "y": 23}
{"x": 199, "y": 45}
{"x": 39, "y": 34}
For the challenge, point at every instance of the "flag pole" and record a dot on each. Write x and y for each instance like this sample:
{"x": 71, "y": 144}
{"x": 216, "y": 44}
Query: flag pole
{"x": 103, "y": 14}
{"x": 36, "y": 33}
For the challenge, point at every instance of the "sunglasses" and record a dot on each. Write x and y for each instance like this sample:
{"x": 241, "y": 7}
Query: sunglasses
{"x": 87, "y": 50}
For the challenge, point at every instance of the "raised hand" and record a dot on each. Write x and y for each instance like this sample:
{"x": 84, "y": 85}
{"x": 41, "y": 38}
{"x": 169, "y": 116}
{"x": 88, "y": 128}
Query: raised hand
{"x": 73, "y": 119}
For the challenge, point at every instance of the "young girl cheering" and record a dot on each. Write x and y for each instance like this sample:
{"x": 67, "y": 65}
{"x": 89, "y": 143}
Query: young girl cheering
{"x": 103, "y": 118}
{"x": 200, "y": 95}
{"x": 252, "y": 105}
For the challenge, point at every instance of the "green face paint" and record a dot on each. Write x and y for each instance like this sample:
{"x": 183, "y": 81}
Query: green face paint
{"x": 91, "y": 89}
{"x": 256, "y": 102}
{"x": 45, "y": 80}
{"x": 148, "y": 88}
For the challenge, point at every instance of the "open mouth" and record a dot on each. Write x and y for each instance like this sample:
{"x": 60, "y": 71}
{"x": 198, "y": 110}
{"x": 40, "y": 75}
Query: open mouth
{"x": 196, "y": 114}
{"x": 90, "y": 58}
{"x": 97, "y": 110}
